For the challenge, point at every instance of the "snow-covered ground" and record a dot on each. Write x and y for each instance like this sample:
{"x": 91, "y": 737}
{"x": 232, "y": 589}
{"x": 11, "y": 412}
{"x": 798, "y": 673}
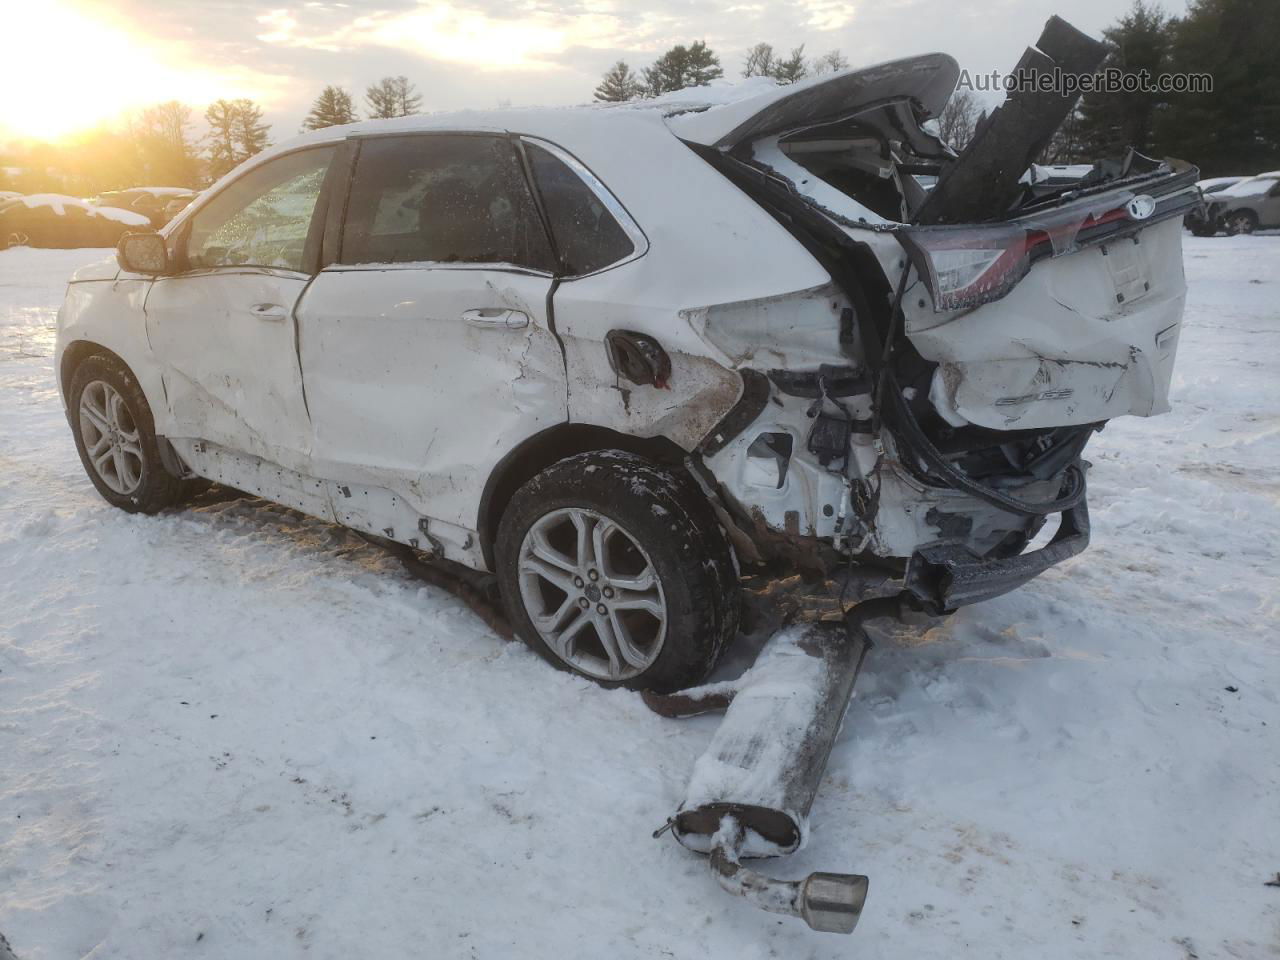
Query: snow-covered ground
{"x": 234, "y": 732}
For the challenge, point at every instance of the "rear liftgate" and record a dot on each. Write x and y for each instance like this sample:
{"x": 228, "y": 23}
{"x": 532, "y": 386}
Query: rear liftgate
{"x": 751, "y": 792}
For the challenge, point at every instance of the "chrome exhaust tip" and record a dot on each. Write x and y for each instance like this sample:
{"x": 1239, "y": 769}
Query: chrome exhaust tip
{"x": 832, "y": 902}
{"x": 827, "y": 902}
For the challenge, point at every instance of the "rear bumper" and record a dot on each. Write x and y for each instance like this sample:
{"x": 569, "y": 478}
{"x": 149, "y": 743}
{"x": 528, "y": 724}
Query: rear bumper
{"x": 945, "y": 576}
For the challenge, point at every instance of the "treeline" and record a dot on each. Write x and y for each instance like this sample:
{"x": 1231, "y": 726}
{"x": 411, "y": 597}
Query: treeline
{"x": 156, "y": 146}
{"x": 697, "y": 65}
{"x": 1235, "y": 129}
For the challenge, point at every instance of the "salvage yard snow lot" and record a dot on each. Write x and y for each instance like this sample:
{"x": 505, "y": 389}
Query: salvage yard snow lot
{"x": 232, "y": 731}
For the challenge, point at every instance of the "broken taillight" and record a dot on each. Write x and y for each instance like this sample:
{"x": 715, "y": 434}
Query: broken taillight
{"x": 964, "y": 267}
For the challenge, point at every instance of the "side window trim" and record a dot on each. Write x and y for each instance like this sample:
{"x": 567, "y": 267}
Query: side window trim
{"x": 639, "y": 241}
{"x": 181, "y": 233}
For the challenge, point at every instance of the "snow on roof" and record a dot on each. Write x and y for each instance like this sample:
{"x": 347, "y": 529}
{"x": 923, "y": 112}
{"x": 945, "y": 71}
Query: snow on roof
{"x": 59, "y": 204}
{"x": 1251, "y": 187}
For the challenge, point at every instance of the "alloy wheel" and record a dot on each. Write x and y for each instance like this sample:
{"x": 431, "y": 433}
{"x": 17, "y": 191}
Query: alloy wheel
{"x": 592, "y": 593}
{"x": 110, "y": 437}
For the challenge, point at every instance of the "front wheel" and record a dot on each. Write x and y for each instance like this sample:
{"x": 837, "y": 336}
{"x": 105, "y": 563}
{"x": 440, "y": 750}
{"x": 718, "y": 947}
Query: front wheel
{"x": 115, "y": 437}
{"x": 615, "y": 568}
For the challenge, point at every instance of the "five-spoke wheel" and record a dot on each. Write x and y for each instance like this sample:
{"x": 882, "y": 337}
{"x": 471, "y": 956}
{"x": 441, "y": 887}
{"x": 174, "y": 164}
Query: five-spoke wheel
{"x": 111, "y": 437}
{"x": 614, "y": 566}
{"x": 592, "y": 593}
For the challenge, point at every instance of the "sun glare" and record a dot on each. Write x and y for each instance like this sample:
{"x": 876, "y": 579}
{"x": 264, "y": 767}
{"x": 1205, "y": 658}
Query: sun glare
{"x": 66, "y": 70}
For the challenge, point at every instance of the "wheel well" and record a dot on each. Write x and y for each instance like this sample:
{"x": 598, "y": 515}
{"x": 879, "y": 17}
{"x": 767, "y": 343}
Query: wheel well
{"x": 75, "y": 354}
{"x": 541, "y": 450}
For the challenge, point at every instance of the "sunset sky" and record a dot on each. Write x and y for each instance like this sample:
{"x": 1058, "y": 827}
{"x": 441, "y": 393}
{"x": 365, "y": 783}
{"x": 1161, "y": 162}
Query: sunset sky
{"x": 85, "y": 62}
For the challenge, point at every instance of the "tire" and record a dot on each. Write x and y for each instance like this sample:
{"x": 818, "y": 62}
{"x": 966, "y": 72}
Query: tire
{"x": 653, "y": 526}
{"x": 1240, "y": 222}
{"x": 121, "y": 435}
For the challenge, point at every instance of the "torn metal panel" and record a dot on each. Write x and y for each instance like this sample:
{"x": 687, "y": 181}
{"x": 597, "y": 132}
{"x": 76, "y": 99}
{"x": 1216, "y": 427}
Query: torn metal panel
{"x": 982, "y": 183}
{"x": 1077, "y": 341}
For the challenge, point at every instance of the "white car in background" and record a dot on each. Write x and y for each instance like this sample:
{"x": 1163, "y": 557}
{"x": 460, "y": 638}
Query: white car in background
{"x": 1252, "y": 204}
{"x": 613, "y": 355}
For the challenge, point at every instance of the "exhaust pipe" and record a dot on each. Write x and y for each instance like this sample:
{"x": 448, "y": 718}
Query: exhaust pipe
{"x": 827, "y": 902}
{"x": 751, "y": 792}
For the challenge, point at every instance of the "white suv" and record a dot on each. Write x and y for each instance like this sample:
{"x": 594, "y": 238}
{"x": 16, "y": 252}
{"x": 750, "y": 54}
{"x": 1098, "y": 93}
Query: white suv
{"x": 613, "y": 355}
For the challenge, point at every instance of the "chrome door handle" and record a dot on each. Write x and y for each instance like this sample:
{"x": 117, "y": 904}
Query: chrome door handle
{"x": 496, "y": 318}
{"x": 268, "y": 311}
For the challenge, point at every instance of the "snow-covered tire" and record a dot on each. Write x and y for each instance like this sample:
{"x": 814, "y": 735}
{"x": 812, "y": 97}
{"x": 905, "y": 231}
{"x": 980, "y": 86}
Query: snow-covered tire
{"x": 137, "y": 481}
{"x": 630, "y": 522}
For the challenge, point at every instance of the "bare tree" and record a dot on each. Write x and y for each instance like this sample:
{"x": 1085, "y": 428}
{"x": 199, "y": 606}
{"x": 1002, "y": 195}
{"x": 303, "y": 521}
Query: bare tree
{"x": 759, "y": 62}
{"x": 831, "y": 62}
{"x": 959, "y": 119}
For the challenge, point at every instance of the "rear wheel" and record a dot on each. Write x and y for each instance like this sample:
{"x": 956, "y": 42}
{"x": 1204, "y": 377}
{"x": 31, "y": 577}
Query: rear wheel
{"x": 1240, "y": 222}
{"x": 615, "y": 568}
{"x": 115, "y": 437}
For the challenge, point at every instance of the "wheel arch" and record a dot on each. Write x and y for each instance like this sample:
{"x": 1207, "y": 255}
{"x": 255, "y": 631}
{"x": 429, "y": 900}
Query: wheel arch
{"x": 77, "y": 352}
{"x": 536, "y": 453}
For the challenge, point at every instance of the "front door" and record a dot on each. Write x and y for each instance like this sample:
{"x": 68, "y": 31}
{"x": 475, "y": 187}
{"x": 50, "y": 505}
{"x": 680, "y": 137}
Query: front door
{"x": 426, "y": 350}
{"x": 224, "y": 328}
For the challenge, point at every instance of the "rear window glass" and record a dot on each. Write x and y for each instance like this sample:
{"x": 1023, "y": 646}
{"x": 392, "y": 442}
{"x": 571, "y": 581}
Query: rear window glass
{"x": 587, "y": 235}
{"x": 444, "y": 199}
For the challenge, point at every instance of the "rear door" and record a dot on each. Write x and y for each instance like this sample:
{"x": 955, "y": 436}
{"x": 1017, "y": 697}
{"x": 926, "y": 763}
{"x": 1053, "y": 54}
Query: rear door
{"x": 426, "y": 348}
{"x": 224, "y": 328}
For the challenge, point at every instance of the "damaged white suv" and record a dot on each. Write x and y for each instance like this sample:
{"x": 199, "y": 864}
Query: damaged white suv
{"x": 615, "y": 355}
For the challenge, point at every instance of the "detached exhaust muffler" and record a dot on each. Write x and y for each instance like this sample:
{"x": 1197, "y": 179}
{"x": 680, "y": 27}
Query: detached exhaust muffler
{"x": 751, "y": 792}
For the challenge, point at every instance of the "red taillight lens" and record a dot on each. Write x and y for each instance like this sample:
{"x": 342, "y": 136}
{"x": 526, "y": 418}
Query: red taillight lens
{"x": 968, "y": 266}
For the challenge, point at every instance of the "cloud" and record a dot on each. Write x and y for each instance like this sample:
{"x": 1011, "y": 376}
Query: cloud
{"x": 531, "y": 37}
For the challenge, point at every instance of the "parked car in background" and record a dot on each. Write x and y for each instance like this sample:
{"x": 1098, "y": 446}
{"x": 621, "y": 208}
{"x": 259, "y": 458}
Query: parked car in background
{"x": 158, "y": 204}
{"x": 1252, "y": 204}
{"x": 53, "y": 220}
{"x": 1198, "y": 221}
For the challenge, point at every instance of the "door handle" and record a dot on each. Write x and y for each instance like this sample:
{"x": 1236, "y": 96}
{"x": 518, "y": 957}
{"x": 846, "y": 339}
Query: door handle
{"x": 496, "y": 318}
{"x": 268, "y": 311}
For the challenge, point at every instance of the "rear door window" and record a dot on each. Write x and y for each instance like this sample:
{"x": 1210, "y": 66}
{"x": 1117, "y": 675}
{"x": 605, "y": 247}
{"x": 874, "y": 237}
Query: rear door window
{"x": 588, "y": 236}
{"x": 442, "y": 198}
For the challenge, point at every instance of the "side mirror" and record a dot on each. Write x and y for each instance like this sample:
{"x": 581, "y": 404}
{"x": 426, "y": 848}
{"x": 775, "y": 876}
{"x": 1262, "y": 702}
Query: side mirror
{"x": 143, "y": 253}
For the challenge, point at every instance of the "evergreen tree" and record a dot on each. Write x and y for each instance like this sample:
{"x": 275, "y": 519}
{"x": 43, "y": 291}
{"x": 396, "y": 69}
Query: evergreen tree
{"x": 791, "y": 69}
{"x": 393, "y": 97}
{"x": 1236, "y": 128}
{"x": 221, "y": 138}
{"x": 332, "y": 108}
{"x": 831, "y": 62}
{"x": 250, "y": 131}
{"x": 1111, "y": 121}
{"x": 759, "y": 62}
{"x": 236, "y": 133}
{"x": 692, "y": 66}
{"x": 619, "y": 84}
